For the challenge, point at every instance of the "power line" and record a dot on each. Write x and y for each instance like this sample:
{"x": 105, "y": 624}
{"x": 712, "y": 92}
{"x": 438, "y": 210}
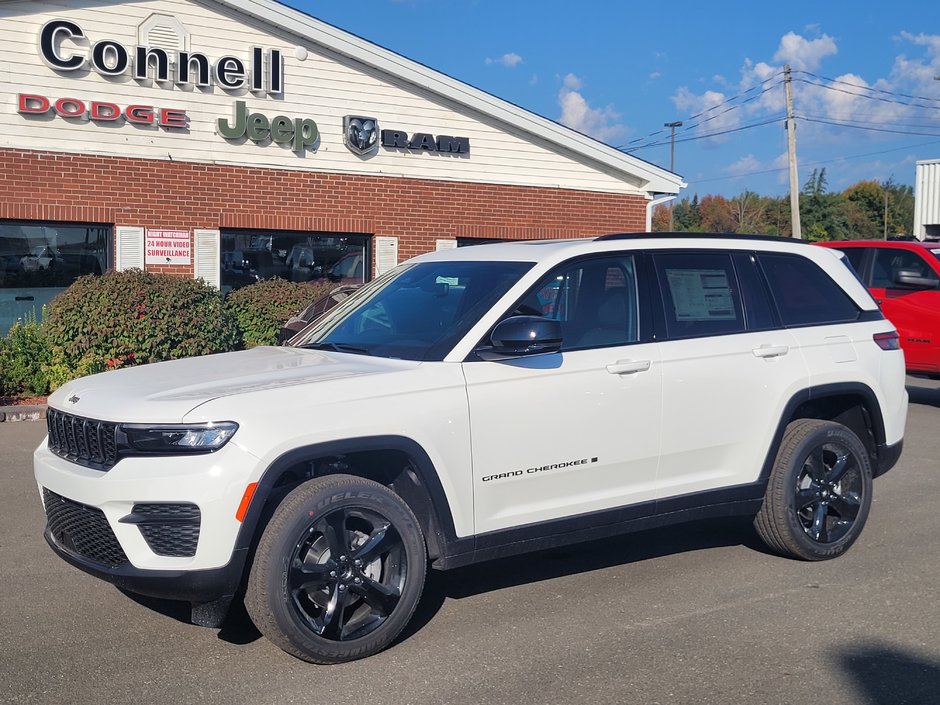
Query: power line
{"x": 870, "y": 129}
{"x": 863, "y": 95}
{"x": 869, "y": 88}
{"x": 689, "y": 121}
{"x": 706, "y": 135}
{"x": 854, "y": 118}
{"x": 819, "y": 162}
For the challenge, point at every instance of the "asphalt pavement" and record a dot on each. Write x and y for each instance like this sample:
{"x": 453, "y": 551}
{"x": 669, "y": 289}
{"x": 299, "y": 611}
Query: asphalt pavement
{"x": 695, "y": 614}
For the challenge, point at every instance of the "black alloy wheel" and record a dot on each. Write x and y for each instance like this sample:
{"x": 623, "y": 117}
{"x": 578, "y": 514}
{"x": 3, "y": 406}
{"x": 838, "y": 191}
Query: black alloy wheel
{"x": 346, "y": 573}
{"x": 338, "y": 571}
{"x": 819, "y": 493}
{"x": 829, "y": 493}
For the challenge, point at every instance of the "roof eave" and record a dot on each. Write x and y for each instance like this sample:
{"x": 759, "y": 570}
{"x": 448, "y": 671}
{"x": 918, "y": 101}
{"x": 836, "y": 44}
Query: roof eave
{"x": 653, "y": 178}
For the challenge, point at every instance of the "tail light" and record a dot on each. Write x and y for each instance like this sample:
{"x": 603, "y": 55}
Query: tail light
{"x": 888, "y": 341}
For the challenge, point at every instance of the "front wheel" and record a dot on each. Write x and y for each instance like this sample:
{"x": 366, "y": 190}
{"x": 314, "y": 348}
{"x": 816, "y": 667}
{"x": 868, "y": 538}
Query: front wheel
{"x": 819, "y": 493}
{"x": 339, "y": 570}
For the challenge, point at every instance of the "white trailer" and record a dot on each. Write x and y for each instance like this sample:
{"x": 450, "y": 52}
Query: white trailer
{"x": 927, "y": 199}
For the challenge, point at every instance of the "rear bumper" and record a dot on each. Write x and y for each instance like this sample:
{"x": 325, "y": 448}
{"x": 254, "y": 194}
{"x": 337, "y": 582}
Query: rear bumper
{"x": 888, "y": 456}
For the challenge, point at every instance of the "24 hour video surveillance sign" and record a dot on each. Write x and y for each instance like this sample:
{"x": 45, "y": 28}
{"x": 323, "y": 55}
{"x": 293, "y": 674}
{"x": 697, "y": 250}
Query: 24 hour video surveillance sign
{"x": 168, "y": 247}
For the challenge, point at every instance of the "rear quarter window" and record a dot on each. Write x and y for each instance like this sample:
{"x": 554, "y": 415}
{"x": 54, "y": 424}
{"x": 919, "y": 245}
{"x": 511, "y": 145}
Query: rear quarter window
{"x": 804, "y": 294}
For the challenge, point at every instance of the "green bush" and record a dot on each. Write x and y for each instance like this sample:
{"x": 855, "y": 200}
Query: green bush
{"x": 261, "y": 309}
{"x": 135, "y": 317}
{"x": 24, "y": 358}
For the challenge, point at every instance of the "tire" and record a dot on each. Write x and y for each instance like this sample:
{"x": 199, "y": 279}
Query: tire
{"x": 338, "y": 571}
{"x": 819, "y": 494}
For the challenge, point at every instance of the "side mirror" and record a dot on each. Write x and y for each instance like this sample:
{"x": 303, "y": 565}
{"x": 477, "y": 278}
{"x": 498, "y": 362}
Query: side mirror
{"x": 911, "y": 279}
{"x": 525, "y": 335}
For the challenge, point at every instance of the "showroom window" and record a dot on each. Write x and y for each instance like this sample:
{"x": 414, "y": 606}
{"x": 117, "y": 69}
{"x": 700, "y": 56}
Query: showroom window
{"x": 248, "y": 256}
{"x": 40, "y": 259}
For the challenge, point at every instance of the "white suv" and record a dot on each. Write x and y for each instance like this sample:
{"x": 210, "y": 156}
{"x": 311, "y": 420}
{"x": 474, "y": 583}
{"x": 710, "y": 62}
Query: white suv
{"x": 476, "y": 403}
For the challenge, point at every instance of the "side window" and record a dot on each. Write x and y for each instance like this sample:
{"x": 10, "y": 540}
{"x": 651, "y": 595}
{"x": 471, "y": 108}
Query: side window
{"x": 700, "y": 294}
{"x": 804, "y": 293}
{"x": 856, "y": 257}
{"x": 595, "y": 300}
{"x": 758, "y": 308}
{"x": 889, "y": 261}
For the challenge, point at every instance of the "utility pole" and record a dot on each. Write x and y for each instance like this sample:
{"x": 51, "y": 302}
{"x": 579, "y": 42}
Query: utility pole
{"x": 791, "y": 153}
{"x": 672, "y": 159}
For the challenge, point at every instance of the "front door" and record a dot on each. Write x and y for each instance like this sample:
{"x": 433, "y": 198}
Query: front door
{"x": 577, "y": 431}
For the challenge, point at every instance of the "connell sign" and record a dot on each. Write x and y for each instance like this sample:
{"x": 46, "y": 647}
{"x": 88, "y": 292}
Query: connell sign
{"x": 65, "y": 47}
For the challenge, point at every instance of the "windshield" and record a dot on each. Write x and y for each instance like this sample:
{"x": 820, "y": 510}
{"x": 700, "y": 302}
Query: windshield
{"x": 415, "y": 312}
{"x": 936, "y": 253}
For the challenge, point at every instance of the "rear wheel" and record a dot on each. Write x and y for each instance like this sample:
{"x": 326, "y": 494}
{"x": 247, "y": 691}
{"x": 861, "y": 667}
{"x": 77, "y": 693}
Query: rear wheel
{"x": 339, "y": 570}
{"x": 819, "y": 493}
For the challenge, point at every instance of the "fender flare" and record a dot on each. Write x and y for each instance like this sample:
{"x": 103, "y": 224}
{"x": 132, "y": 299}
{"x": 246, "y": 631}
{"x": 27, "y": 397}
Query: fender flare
{"x": 824, "y": 391}
{"x": 430, "y": 490}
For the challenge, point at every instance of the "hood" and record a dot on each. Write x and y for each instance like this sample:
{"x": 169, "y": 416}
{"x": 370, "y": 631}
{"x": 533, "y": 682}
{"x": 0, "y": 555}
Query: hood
{"x": 167, "y": 391}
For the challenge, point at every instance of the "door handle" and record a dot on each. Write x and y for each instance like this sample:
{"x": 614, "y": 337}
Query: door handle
{"x": 627, "y": 367}
{"x": 771, "y": 350}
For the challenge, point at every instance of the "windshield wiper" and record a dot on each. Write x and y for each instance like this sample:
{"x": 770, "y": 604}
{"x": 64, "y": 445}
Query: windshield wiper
{"x": 336, "y": 347}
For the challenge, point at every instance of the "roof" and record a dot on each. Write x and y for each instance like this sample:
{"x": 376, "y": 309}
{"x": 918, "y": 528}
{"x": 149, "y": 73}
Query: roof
{"x": 931, "y": 245}
{"x": 552, "y": 250}
{"x": 653, "y": 179}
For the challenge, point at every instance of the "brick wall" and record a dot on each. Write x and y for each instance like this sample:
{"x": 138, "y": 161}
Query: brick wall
{"x": 147, "y": 193}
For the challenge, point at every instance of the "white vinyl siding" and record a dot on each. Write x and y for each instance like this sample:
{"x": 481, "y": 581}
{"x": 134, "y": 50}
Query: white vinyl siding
{"x": 324, "y": 87}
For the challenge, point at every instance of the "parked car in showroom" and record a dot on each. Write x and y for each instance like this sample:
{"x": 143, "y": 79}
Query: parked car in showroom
{"x": 904, "y": 278}
{"x": 479, "y": 403}
{"x": 41, "y": 257}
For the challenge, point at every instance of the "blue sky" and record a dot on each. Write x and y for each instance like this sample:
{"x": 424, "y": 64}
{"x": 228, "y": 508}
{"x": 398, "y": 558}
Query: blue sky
{"x": 619, "y": 70}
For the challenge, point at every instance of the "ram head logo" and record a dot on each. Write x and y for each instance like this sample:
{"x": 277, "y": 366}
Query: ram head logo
{"x": 360, "y": 134}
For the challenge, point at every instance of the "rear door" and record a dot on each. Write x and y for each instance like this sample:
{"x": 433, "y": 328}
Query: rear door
{"x": 728, "y": 370}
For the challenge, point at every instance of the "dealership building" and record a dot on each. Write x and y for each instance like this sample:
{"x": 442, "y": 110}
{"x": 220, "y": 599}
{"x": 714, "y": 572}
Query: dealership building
{"x": 240, "y": 139}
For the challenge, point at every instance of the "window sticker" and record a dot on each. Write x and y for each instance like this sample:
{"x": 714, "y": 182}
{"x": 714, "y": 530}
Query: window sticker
{"x": 701, "y": 294}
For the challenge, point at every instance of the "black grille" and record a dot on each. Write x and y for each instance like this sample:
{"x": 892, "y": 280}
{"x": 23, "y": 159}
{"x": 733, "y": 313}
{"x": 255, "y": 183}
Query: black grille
{"x": 169, "y": 529}
{"x": 83, "y": 441}
{"x": 82, "y": 530}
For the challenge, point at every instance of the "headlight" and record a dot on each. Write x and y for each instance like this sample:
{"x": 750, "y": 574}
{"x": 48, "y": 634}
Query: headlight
{"x": 177, "y": 438}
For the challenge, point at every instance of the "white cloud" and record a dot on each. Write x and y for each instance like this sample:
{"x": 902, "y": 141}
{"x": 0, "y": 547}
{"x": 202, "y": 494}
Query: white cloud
{"x": 804, "y": 54}
{"x": 713, "y": 120}
{"x": 931, "y": 41}
{"x": 747, "y": 164}
{"x": 510, "y": 60}
{"x": 601, "y": 123}
{"x": 653, "y": 76}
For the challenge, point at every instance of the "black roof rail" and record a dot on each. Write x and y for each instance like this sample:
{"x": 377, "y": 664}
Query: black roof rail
{"x": 703, "y": 236}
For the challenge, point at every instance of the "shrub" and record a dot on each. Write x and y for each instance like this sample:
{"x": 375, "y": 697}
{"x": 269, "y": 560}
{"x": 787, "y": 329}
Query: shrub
{"x": 24, "y": 358}
{"x": 125, "y": 318}
{"x": 261, "y": 309}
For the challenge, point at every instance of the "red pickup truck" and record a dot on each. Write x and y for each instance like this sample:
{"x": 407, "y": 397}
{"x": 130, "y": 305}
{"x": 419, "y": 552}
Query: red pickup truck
{"x": 904, "y": 278}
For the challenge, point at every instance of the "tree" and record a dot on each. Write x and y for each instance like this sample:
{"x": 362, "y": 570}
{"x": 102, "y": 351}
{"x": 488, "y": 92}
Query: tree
{"x": 747, "y": 213}
{"x": 820, "y": 212}
{"x": 716, "y": 214}
{"x": 901, "y": 210}
{"x": 868, "y": 198}
{"x": 660, "y": 219}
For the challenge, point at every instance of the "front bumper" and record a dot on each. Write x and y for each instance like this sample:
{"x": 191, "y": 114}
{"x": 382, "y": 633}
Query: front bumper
{"x": 193, "y": 586}
{"x": 215, "y": 483}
